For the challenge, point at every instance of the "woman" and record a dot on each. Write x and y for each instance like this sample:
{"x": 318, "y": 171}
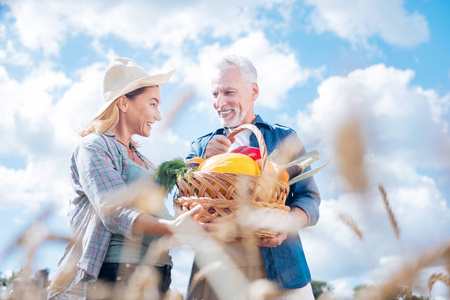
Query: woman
{"x": 109, "y": 239}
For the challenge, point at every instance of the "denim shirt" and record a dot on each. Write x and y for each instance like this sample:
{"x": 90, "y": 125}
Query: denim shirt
{"x": 286, "y": 263}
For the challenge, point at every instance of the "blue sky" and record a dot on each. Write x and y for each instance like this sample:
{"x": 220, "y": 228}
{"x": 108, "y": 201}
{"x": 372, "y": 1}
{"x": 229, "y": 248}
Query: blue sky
{"x": 320, "y": 63}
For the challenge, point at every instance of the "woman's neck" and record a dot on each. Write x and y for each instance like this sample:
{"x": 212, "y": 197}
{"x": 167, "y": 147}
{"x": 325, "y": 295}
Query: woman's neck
{"x": 122, "y": 136}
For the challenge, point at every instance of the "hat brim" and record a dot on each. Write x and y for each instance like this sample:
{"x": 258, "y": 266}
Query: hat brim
{"x": 156, "y": 80}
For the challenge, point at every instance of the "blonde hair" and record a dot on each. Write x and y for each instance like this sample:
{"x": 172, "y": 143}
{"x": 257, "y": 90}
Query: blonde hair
{"x": 108, "y": 119}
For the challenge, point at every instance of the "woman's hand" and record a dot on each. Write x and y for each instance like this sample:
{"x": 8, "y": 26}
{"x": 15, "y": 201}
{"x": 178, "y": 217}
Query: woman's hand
{"x": 185, "y": 220}
{"x": 151, "y": 225}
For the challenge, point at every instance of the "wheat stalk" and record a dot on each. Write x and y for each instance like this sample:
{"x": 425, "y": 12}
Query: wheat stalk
{"x": 350, "y": 149}
{"x": 406, "y": 275}
{"x": 447, "y": 260}
{"x": 392, "y": 220}
{"x": 349, "y": 221}
{"x": 389, "y": 211}
{"x": 177, "y": 108}
{"x": 352, "y": 224}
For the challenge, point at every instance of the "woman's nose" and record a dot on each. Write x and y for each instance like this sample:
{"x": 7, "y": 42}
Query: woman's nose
{"x": 158, "y": 116}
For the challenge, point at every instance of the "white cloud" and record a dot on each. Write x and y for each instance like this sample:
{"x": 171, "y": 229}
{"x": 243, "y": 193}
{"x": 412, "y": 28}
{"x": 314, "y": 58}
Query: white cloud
{"x": 163, "y": 145}
{"x": 43, "y": 130}
{"x": 405, "y": 130}
{"x": 342, "y": 288}
{"x": 165, "y": 25}
{"x": 395, "y": 115}
{"x": 358, "y": 21}
{"x": 183, "y": 258}
{"x": 78, "y": 105}
{"x": 266, "y": 57}
{"x": 40, "y": 183}
{"x": 25, "y": 115}
{"x": 27, "y": 131}
{"x": 406, "y": 127}
{"x": 52, "y": 28}
{"x": 109, "y": 53}
{"x": 12, "y": 56}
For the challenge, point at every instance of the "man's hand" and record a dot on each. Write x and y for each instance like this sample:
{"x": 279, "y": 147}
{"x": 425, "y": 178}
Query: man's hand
{"x": 217, "y": 145}
{"x": 272, "y": 242}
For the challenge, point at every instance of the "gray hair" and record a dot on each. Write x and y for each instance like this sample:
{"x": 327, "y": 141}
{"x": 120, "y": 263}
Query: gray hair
{"x": 246, "y": 67}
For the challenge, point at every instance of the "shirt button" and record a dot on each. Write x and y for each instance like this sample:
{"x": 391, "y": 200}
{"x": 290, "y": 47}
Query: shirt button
{"x": 127, "y": 265}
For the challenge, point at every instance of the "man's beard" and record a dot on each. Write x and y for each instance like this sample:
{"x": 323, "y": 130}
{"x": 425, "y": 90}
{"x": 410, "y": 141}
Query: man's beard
{"x": 238, "y": 118}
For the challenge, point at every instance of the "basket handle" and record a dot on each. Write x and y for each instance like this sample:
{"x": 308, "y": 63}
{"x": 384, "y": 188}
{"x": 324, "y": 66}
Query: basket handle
{"x": 261, "y": 142}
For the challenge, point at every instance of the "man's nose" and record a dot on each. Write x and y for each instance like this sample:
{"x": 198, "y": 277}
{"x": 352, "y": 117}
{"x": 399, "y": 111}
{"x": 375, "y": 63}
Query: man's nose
{"x": 219, "y": 101}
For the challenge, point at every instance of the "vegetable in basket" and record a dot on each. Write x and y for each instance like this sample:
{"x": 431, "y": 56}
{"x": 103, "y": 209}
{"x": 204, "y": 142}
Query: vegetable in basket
{"x": 230, "y": 163}
{"x": 169, "y": 172}
{"x": 194, "y": 162}
{"x": 252, "y": 152}
{"x": 274, "y": 170}
{"x": 296, "y": 167}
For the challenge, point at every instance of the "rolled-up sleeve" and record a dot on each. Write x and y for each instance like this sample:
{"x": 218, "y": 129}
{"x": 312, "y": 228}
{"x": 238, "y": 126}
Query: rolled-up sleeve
{"x": 303, "y": 194}
{"x": 198, "y": 147}
{"x": 193, "y": 150}
{"x": 103, "y": 185}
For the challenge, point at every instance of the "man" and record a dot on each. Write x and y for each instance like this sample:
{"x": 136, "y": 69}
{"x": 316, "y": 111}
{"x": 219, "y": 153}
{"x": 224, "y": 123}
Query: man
{"x": 234, "y": 91}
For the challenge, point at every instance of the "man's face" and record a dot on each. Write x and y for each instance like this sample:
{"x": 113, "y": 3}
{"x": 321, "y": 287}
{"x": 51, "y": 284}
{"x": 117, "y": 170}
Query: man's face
{"x": 233, "y": 97}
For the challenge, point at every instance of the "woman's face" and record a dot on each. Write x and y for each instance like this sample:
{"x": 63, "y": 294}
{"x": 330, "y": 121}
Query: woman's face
{"x": 143, "y": 111}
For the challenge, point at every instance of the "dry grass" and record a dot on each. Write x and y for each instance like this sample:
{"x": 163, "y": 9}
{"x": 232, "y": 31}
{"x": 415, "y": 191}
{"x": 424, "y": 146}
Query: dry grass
{"x": 392, "y": 220}
{"x": 389, "y": 211}
{"x": 406, "y": 275}
{"x": 176, "y": 108}
{"x": 212, "y": 258}
{"x": 350, "y": 149}
{"x": 349, "y": 221}
{"x": 352, "y": 224}
{"x": 438, "y": 277}
{"x": 214, "y": 263}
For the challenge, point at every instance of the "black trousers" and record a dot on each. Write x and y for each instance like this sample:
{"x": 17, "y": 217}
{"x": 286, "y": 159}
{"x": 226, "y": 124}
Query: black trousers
{"x": 114, "y": 276}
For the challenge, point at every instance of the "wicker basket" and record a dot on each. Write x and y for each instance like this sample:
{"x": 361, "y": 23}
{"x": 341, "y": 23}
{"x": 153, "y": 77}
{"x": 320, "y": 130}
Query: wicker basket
{"x": 222, "y": 194}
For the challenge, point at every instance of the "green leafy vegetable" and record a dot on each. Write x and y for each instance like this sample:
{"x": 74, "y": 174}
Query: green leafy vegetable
{"x": 169, "y": 172}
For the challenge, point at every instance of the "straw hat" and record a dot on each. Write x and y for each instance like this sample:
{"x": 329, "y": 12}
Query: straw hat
{"x": 122, "y": 76}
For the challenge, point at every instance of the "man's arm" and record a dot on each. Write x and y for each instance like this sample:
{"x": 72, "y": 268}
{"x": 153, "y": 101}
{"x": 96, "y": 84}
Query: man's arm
{"x": 304, "y": 197}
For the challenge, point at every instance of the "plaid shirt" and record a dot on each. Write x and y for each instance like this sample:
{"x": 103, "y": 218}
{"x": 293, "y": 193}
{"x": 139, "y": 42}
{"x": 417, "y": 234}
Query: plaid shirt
{"x": 99, "y": 168}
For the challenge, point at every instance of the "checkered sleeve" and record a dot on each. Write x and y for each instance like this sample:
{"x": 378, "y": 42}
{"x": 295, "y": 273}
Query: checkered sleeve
{"x": 102, "y": 182}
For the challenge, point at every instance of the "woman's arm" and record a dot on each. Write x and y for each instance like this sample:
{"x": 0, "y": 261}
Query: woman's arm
{"x": 97, "y": 169}
{"x": 148, "y": 224}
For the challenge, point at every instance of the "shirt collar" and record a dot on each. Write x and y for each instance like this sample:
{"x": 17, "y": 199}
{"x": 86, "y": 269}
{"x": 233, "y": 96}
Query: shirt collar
{"x": 109, "y": 133}
{"x": 259, "y": 120}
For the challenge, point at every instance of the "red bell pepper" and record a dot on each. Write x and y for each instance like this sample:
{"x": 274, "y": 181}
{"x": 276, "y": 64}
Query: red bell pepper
{"x": 253, "y": 152}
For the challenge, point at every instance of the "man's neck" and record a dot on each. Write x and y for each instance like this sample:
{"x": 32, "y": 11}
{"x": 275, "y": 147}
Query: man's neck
{"x": 253, "y": 121}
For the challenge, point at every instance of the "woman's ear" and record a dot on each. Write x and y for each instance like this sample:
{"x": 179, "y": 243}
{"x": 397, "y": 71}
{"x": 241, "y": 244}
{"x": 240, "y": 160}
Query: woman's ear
{"x": 122, "y": 103}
